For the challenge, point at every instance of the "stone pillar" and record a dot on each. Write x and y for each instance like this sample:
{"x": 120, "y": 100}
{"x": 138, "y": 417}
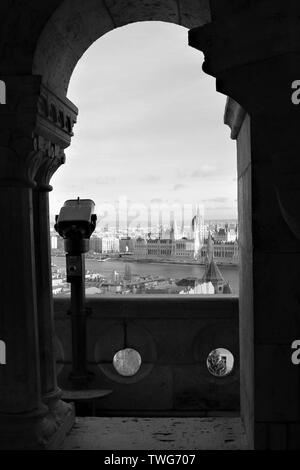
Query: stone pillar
{"x": 255, "y": 58}
{"x": 30, "y": 117}
{"x": 52, "y": 158}
{"x": 21, "y": 410}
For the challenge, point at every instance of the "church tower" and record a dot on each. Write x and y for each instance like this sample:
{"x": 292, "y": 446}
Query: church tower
{"x": 212, "y": 273}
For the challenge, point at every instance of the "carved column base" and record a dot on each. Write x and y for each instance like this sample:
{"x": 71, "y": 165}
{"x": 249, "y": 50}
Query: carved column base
{"x": 58, "y": 409}
{"x": 37, "y": 431}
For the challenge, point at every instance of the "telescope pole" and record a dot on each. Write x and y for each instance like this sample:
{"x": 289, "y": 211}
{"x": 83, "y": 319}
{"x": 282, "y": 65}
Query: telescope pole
{"x": 76, "y": 275}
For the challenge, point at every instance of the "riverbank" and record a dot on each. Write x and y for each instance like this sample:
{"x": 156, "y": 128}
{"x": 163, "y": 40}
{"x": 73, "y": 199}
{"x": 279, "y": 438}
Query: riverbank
{"x": 163, "y": 270}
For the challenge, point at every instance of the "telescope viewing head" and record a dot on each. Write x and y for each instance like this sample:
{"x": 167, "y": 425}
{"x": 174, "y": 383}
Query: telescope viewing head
{"x": 75, "y": 224}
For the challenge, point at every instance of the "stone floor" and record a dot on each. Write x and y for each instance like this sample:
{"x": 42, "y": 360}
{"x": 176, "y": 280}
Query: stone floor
{"x": 156, "y": 434}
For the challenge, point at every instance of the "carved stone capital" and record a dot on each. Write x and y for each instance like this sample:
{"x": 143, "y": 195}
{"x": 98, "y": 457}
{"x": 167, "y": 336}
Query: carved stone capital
{"x": 19, "y": 161}
{"x": 35, "y": 128}
{"x": 51, "y": 158}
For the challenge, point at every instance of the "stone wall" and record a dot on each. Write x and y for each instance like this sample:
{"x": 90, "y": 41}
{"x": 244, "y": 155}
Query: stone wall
{"x": 174, "y": 336}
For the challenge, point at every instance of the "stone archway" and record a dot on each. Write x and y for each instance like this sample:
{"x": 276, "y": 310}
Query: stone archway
{"x": 36, "y": 127}
{"x": 252, "y": 48}
{"x": 66, "y": 34}
{"x": 75, "y": 25}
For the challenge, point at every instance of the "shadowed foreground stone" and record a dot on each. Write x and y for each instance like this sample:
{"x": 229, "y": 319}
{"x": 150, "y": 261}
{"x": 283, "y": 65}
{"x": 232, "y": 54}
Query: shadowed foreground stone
{"x": 156, "y": 434}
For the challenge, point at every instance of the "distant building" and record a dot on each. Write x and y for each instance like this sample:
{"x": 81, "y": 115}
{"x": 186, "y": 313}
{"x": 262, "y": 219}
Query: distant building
{"x": 184, "y": 248}
{"x": 140, "y": 248}
{"x": 110, "y": 244}
{"x": 160, "y": 247}
{"x": 126, "y": 245}
{"x": 57, "y": 242}
{"x": 127, "y": 274}
{"x": 115, "y": 277}
{"x": 53, "y": 242}
{"x": 224, "y": 252}
{"x": 220, "y": 235}
{"x": 199, "y": 288}
{"x": 172, "y": 247}
{"x": 95, "y": 244}
{"x": 198, "y": 232}
{"x": 212, "y": 273}
{"x": 232, "y": 235}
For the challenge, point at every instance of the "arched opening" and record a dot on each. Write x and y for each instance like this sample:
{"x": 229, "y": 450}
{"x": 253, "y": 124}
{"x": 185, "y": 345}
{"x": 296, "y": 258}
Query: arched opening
{"x": 255, "y": 70}
{"x": 71, "y": 31}
{"x": 151, "y": 150}
{"x": 2, "y": 92}
{"x": 147, "y": 115}
{"x": 75, "y": 25}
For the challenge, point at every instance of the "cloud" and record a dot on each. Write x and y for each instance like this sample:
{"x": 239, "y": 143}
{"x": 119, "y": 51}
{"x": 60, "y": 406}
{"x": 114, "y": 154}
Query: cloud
{"x": 150, "y": 179}
{"x": 156, "y": 200}
{"x": 217, "y": 199}
{"x": 104, "y": 180}
{"x": 150, "y": 124}
{"x": 204, "y": 171}
{"x": 177, "y": 187}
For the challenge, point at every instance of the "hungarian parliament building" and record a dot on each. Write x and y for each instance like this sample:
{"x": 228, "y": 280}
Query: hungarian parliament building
{"x": 185, "y": 249}
{"x": 167, "y": 245}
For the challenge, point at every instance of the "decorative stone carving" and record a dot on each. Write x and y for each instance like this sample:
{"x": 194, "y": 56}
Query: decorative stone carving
{"x": 51, "y": 158}
{"x": 36, "y": 126}
{"x": 19, "y": 161}
{"x": 56, "y": 115}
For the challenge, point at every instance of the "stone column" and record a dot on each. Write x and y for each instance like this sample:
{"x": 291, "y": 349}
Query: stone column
{"x": 21, "y": 410}
{"x": 52, "y": 158}
{"x": 255, "y": 58}
{"x": 31, "y": 118}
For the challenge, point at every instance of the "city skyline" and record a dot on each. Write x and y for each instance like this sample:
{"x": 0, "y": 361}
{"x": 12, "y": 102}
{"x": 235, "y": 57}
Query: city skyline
{"x": 155, "y": 133}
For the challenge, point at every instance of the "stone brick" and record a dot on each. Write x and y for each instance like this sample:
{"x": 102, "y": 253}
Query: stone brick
{"x": 124, "y": 11}
{"x": 194, "y": 13}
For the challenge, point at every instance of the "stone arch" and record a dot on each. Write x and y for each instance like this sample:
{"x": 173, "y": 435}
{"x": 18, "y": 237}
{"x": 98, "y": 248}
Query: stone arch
{"x": 75, "y": 25}
{"x": 2, "y": 92}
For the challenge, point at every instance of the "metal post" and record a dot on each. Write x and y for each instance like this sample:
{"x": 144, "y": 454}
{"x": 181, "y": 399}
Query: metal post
{"x": 76, "y": 275}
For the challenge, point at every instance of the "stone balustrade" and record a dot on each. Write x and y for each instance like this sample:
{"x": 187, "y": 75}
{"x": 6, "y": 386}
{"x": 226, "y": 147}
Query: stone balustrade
{"x": 173, "y": 336}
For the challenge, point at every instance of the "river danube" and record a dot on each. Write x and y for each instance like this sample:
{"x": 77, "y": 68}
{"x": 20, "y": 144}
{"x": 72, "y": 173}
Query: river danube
{"x": 175, "y": 271}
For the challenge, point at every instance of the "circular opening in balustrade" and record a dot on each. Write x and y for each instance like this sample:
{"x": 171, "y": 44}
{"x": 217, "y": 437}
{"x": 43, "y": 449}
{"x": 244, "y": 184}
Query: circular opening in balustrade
{"x": 127, "y": 362}
{"x": 220, "y": 362}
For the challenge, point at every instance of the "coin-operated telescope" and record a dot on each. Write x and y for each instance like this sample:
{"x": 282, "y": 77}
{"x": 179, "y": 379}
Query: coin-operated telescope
{"x": 76, "y": 223}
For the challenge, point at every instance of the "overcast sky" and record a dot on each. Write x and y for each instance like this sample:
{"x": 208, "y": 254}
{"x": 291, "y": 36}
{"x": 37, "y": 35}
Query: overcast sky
{"x": 150, "y": 125}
